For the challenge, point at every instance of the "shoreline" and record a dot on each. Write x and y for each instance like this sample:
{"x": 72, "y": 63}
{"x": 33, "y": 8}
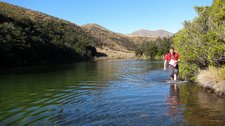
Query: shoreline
{"x": 111, "y": 58}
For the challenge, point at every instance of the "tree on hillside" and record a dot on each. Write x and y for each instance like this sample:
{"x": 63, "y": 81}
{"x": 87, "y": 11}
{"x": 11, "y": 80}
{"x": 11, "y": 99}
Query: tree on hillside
{"x": 151, "y": 49}
{"x": 163, "y": 44}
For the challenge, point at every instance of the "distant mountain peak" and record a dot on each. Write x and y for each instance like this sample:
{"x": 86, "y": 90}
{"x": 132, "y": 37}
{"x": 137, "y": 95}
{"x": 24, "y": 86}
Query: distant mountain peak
{"x": 149, "y": 33}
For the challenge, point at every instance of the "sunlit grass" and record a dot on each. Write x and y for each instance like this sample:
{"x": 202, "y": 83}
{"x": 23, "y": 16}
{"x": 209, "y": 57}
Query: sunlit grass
{"x": 213, "y": 78}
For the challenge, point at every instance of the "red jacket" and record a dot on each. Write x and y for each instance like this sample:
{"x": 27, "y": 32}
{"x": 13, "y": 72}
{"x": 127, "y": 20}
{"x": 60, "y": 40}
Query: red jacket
{"x": 175, "y": 56}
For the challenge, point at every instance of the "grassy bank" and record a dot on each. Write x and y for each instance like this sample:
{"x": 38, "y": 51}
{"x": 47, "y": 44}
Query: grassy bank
{"x": 213, "y": 78}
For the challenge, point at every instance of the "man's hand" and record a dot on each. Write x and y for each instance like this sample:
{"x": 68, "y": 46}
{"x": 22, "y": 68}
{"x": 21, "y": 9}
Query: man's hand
{"x": 164, "y": 68}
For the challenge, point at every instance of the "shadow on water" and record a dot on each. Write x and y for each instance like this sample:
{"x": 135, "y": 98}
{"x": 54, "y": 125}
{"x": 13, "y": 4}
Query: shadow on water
{"x": 114, "y": 92}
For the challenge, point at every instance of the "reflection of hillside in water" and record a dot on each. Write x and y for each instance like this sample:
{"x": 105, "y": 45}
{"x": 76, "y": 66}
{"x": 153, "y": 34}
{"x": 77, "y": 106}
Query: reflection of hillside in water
{"x": 37, "y": 91}
{"x": 57, "y": 76}
{"x": 43, "y": 89}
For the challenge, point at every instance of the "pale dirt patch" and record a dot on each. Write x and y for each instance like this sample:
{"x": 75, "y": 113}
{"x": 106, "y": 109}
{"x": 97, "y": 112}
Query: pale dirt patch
{"x": 113, "y": 54}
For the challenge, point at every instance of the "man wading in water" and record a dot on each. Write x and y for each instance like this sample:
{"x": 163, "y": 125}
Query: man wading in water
{"x": 173, "y": 58}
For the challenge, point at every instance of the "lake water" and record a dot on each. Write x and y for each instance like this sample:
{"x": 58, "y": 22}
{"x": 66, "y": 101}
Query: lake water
{"x": 116, "y": 92}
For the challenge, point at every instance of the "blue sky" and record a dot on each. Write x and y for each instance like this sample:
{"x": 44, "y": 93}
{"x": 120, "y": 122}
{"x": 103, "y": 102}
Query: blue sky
{"x": 123, "y": 16}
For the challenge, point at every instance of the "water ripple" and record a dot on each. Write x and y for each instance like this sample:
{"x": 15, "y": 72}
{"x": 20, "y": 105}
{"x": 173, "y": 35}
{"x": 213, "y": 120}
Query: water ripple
{"x": 130, "y": 92}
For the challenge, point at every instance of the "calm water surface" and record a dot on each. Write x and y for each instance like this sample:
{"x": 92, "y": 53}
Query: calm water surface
{"x": 117, "y": 92}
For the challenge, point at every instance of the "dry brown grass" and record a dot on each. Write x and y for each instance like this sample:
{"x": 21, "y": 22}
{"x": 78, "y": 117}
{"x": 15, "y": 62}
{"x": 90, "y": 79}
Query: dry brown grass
{"x": 212, "y": 78}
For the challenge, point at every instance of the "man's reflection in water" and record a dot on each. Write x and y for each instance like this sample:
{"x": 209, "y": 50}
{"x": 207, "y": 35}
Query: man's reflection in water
{"x": 174, "y": 100}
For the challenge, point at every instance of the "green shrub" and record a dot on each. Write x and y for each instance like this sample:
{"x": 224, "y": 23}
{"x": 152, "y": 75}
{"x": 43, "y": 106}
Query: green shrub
{"x": 201, "y": 42}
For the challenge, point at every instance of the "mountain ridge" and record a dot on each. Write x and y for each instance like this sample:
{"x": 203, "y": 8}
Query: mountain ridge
{"x": 151, "y": 33}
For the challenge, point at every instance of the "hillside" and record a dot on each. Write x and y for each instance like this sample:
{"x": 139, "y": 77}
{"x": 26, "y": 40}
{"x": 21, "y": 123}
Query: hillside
{"x": 152, "y": 34}
{"x": 31, "y": 38}
{"x": 115, "y": 44}
{"x": 109, "y": 39}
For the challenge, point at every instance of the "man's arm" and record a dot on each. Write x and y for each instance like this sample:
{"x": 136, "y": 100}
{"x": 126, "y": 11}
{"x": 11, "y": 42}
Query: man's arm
{"x": 165, "y": 62}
